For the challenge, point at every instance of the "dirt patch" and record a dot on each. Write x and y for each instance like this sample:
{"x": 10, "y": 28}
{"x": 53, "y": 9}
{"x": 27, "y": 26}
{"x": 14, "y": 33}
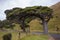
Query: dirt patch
{"x": 51, "y": 38}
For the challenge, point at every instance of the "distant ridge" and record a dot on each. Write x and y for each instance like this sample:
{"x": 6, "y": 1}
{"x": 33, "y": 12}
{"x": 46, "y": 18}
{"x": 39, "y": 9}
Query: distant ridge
{"x": 56, "y": 6}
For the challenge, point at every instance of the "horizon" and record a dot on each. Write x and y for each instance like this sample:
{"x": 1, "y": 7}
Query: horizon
{"x": 9, "y": 4}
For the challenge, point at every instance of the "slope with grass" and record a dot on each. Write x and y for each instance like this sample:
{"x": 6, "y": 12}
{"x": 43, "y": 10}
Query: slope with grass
{"x": 55, "y": 21}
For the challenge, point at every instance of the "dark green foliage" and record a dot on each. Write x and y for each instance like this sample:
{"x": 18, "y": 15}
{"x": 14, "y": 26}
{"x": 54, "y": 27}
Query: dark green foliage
{"x": 7, "y": 24}
{"x": 7, "y": 37}
{"x": 43, "y": 12}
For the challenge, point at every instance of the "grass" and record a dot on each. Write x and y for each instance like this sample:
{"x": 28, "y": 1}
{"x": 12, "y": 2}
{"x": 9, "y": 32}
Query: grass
{"x": 35, "y": 37}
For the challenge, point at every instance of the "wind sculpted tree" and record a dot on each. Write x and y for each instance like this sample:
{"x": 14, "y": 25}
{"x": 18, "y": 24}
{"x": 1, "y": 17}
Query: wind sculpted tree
{"x": 25, "y": 15}
{"x": 46, "y": 15}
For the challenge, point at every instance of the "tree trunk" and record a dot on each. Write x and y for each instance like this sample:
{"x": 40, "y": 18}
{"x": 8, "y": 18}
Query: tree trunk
{"x": 28, "y": 29}
{"x": 45, "y": 27}
{"x": 23, "y": 26}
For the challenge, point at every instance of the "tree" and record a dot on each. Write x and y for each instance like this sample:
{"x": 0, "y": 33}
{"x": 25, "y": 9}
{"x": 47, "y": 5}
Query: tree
{"x": 46, "y": 15}
{"x": 25, "y": 15}
{"x": 7, "y": 24}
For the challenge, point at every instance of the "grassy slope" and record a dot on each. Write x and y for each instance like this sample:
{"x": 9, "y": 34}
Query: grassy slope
{"x": 56, "y": 17}
{"x": 35, "y": 25}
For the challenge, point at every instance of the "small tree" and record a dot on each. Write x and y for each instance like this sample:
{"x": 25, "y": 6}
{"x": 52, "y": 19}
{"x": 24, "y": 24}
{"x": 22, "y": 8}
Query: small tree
{"x": 7, "y": 24}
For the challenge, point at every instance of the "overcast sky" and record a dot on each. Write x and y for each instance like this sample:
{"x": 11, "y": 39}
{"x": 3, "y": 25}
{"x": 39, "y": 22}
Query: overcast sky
{"x": 8, "y": 4}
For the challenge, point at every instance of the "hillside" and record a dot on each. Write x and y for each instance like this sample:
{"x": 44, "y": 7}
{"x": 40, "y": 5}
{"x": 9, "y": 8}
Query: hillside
{"x": 55, "y": 22}
{"x": 56, "y": 6}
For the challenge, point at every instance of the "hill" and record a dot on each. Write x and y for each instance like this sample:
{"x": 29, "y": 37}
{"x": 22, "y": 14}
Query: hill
{"x": 56, "y": 6}
{"x": 55, "y": 22}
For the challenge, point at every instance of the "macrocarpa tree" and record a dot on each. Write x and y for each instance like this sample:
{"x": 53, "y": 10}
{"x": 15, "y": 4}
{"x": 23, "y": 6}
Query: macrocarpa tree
{"x": 24, "y": 15}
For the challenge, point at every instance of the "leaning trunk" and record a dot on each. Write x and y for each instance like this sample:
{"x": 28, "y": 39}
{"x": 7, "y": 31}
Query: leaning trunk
{"x": 45, "y": 27}
{"x": 23, "y": 26}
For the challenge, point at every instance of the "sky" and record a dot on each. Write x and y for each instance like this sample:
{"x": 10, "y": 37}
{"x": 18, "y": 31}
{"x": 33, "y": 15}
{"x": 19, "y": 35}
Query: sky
{"x": 9, "y": 4}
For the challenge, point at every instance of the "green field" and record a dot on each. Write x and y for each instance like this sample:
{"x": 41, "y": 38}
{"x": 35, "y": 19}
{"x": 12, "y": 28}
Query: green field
{"x": 35, "y": 37}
